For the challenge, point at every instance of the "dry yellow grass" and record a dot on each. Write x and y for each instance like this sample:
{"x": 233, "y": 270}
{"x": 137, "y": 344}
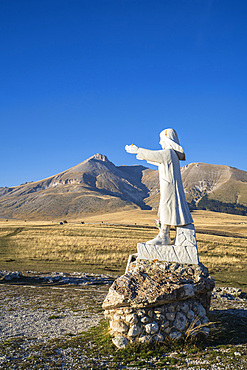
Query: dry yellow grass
{"x": 98, "y": 247}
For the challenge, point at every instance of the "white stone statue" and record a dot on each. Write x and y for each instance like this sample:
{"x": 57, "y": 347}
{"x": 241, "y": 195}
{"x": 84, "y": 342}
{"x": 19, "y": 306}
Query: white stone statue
{"x": 173, "y": 207}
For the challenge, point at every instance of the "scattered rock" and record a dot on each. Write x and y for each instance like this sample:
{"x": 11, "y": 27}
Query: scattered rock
{"x": 145, "y": 339}
{"x": 158, "y": 338}
{"x": 118, "y": 326}
{"x": 7, "y": 276}
{"x": 170, "y": 316}
{"x": 120, "y": 342}
{"x": 134, "y": 331}
{"x": 190, "y": 315}
{"x": 131, "y": 319}
{"x": 180, "y": 321}
{"x": 152, "y": 328}
{"x": 75, "y": 278}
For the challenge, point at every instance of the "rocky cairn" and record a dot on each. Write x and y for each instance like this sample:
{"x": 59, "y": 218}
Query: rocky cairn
{"x": 154, "y": 300}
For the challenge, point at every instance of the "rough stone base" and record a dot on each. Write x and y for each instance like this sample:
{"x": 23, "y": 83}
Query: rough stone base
{"x": 155, "y": 300}
{"x": 154, "y": 324}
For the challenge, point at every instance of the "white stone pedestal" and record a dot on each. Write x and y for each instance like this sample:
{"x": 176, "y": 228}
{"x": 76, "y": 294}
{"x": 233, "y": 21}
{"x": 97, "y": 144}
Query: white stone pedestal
{"x": 183, "y": 250}
{"x": 169, "y": 253}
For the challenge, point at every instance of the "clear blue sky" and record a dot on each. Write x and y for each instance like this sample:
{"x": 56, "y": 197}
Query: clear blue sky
{"x": 78, "y": 77}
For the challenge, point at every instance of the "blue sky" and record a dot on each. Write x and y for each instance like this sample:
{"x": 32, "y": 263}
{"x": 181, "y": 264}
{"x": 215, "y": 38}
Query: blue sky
{"x": 80, "y": 77}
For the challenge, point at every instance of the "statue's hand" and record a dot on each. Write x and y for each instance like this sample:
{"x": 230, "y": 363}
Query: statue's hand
{"x": 133, "y": 149}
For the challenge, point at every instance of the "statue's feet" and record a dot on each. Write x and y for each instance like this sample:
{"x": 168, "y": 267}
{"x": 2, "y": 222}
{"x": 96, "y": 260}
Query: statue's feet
{"x": 160, "y": 239}
{"x": 185, "y": 235}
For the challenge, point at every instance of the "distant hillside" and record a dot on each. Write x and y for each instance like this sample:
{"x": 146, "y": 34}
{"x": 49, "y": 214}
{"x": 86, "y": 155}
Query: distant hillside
{"x": 96, "y": 185}
{"x": 215, "y": 187}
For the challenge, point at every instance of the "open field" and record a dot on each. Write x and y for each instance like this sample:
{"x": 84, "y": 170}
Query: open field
{"x": 104, "y": 242}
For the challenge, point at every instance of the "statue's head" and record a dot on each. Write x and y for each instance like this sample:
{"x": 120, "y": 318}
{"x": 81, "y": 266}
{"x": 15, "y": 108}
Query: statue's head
{"x": 169, "y": 140}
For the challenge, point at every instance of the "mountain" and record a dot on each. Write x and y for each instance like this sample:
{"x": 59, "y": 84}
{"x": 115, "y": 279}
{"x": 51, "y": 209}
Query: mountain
{"x": 93, "y": 185}
{"x": 215, "y": 187}
{"x": 97, "y": 185}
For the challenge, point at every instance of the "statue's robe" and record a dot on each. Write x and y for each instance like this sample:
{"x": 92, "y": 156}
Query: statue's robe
{"x": 173, "y": 208}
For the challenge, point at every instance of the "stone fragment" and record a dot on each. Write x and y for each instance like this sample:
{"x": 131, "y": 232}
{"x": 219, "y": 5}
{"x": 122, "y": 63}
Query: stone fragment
{"x": 188, "y": 290}
{"x": 190, "y": 271}
{"x": 180, "y": 321}
{"x": 118, "y": 326}
{"x": 171, "y": 308}
{"x": 204, "y": 320}
{"x": 158, "y": 338}
{"x": 200, "y": 310}
{"x": 117, "y": 317}
{"x": 107, "y": 314}
{"x": 190, "y": 315}
{"x": 145, "y": 319}
{"x": 128, "y": 310}
{"x": 175, "y": 335}
{"x": 184, "y": 307}
{"x": 159, "y": 317}
{"x": 113, "y": 299}
{"x": 150, "y": 313}
{"x": 120, "y": 341}
{"x": 167, "y": 330}
{"x": 152, "y": 328}
{"x": 134, "y": 331}
{"x": 141, "y": 313}
{"x": 159, "y": 309}
{"x": 165, "y": 325}
{"x": 145, "y": 339}
{"x": 131, "y": 319}
{"x": 170, "y": 316}
{"x": 120, "y": 312}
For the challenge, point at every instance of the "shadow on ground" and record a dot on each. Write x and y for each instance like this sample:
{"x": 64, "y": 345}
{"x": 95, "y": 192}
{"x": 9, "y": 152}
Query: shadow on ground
{"x": 231, "y": 326}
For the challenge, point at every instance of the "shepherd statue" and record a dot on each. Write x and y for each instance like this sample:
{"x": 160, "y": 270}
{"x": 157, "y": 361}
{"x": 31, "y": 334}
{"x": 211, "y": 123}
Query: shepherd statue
{"x": 173, "y": 207}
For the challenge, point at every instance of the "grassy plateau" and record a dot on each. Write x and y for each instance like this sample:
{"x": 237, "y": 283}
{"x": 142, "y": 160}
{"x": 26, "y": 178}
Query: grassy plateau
{"x": 103, "y": 243}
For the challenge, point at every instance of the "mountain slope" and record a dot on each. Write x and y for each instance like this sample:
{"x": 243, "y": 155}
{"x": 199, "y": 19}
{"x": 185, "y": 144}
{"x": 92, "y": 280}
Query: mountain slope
{"x": 222, "y": 183}
{"x": 94, "y": 184}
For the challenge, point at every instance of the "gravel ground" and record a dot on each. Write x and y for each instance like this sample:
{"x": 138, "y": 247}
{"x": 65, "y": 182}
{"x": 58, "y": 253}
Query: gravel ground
{"x": 41, "y": 326}
{"x": 46, "y": 313}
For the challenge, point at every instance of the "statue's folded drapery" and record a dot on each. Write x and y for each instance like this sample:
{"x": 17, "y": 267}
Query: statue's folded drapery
{"x": 173, "y": 208}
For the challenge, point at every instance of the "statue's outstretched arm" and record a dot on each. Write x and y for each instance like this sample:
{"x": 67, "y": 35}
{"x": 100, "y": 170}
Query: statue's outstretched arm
{"x": 154, "y": 156}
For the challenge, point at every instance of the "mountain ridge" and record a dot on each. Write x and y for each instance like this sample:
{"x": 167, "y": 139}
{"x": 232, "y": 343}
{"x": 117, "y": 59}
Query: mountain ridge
{"x": 96, "y": 184}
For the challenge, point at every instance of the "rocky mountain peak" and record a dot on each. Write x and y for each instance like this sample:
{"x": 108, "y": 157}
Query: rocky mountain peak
{"x": 100, "y": 157}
